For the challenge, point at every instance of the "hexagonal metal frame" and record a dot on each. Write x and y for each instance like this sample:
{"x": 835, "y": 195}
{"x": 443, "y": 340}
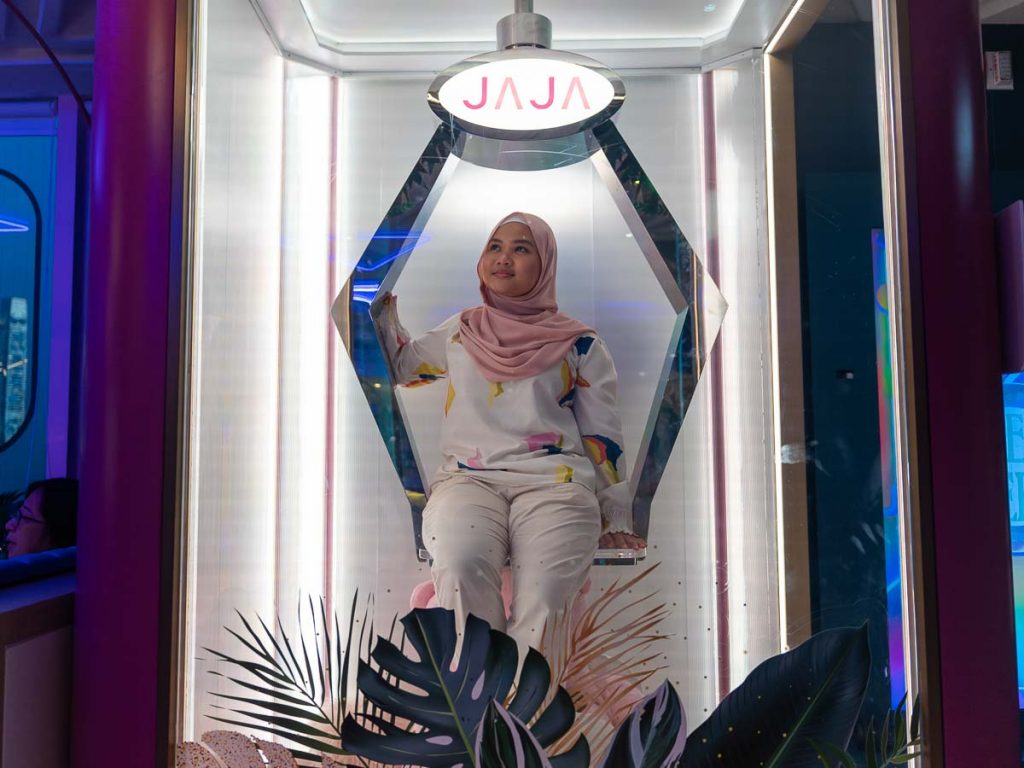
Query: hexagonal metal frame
{"x": 698, "y": 304}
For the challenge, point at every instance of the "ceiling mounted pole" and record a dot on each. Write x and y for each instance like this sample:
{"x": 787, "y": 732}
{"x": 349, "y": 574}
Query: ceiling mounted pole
{"x": 524, "y": 28}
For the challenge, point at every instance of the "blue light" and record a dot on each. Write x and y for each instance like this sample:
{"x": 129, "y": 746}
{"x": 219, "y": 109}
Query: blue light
{"x": 9, "y": 225}
{"x": 416, "y": 237}
{"x": 363, "y": 291}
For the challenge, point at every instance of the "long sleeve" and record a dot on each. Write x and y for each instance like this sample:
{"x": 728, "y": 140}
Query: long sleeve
{"x": 418, "y": 361}
{"x": 597, "y": 415}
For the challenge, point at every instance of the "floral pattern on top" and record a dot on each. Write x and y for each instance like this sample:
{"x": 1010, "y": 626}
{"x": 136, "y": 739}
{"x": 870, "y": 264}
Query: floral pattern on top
{"x": 583, "y": 344}
{"x": 560, "y": 426}
{"x": 565, "y": 397}
{"x": 426, "y": 374}
{"x": 473, "y": 462}
{"x": 449, "y": 398}
{"x": 550, "y": 442}
{"x": 605, "y": 453}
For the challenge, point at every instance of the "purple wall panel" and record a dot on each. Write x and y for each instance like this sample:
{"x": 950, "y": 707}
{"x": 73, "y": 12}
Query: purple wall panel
{"x": 65, "y": 238}
{"x": 959, "y": 305}
{"x": 122, "y": 444}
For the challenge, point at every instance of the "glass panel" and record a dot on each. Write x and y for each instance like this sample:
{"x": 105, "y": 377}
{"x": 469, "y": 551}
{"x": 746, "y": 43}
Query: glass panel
{"x": 309, "y": 469}
{"x": 233, "y": 475}
{"x": 853, "y": 507}
{"x": 21, "y": 241}
{"x": 1013, "y": 407}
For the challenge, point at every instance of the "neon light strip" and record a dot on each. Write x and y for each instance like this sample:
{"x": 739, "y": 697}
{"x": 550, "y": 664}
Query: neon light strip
{"x": 773, "y": 333}
{"x": 890, "y": 494}
{"x": 774, "y": 42}
{"x": 8, "y": 226}
{"x": 415, "y": 239}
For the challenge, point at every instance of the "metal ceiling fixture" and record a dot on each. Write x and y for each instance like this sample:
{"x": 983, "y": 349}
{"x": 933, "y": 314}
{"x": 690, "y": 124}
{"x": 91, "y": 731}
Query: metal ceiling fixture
{"x": 537, "y": 85}
{"x": 524, "y": 28}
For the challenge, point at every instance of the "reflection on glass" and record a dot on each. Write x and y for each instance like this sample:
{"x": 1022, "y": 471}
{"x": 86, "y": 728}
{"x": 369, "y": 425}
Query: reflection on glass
{"x": 1013, "y": 413}
{"x": 890, "y": 498}
{"x": 20, "y": 255}
{"x": 848, "y": 357}
{"x": 629, "y": 270}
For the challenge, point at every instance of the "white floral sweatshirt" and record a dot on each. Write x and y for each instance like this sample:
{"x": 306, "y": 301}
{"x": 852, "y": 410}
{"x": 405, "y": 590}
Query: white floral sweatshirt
{"x": 559, "y": 426}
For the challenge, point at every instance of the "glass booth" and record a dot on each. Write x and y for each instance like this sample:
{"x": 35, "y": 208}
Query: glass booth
{"x": 725, "y": 239}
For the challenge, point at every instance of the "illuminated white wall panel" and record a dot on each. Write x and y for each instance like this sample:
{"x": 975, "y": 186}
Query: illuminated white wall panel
{"x": 233, "y": 482}
{"x": 384, "y": 125}
{"x": 304, "y": 327}
{"x": 660, "y": 121}
{"x": 746, "y": 354}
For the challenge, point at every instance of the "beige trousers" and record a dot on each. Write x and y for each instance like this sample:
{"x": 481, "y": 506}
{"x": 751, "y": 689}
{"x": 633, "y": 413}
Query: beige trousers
{"x": 548, "y": 534}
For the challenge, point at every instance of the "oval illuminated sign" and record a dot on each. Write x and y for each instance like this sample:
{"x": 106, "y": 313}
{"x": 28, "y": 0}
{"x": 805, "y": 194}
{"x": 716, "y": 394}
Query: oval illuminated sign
{"x": 526, "y": 93}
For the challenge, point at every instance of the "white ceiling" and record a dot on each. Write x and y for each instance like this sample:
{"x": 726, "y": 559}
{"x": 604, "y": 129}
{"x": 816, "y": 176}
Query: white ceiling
{"x": 402, "y": 35}
{"x": 348, "y": 22}
{"x": 354, "y": 36}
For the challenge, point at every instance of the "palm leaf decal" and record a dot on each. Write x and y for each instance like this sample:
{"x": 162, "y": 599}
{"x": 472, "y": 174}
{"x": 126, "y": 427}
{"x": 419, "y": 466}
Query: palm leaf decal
{"x": 610, "y": 655}
{"x": 653, "y": 735}
{"x": 299, "y": 691}
{"x": 429, "y": 709}
{"x": 811, "y": 694}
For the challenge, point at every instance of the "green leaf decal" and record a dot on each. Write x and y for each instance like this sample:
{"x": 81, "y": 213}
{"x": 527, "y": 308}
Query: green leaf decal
{"x": 652, "y": 736}
{"x": 504, "y": 742}
{"x": 440, "y": 704}
{"x": 813, "y": 692}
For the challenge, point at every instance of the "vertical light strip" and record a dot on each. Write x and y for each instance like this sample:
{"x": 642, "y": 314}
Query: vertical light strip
{"x": 331, "y": 346}
{"x": 187, "y": 705}
{"x": 341, "y": 588}
{"x": 281, "y": 380}
{"x": 709, "y": 218}
{"x": 894, "y": 218}
{"x": 305, "y": 309}
{"x": 773, "y": 333}
{"x": 67, "y": 202}
{"x": 235, "y": 380}
{"x": 783, "y": 27}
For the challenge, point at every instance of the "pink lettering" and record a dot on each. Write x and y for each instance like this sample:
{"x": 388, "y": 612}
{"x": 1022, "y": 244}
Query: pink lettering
{"x": 551, "y": 96}
{"x": 483, "y": 96}
{"x": 508, "y": 87}
{"x": 577, "y": 86}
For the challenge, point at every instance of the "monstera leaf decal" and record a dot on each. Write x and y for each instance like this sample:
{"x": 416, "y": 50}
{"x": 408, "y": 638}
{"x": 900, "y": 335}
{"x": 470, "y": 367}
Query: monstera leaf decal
{"x": 427, "y": 711}
{"x": 811, "y": 694}
{"x": 503, "y": 741}
{"x": 653, "y": 735}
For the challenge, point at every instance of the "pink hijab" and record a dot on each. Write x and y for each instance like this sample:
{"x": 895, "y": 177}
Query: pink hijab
{"x": 518, "y": 337}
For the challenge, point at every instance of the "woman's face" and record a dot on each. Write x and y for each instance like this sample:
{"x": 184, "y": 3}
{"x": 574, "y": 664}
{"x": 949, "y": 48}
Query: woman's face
{"x": 510, "y": 263}
{"x": 27, "y": 531}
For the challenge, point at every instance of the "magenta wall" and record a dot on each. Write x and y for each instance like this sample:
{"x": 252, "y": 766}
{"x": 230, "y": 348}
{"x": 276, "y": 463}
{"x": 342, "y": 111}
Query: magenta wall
{"x": 956, "y": 271}
{"x": 117, "y": 626}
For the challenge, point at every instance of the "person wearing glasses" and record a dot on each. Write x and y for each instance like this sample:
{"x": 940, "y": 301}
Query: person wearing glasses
{"x": 46, "y": 519}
